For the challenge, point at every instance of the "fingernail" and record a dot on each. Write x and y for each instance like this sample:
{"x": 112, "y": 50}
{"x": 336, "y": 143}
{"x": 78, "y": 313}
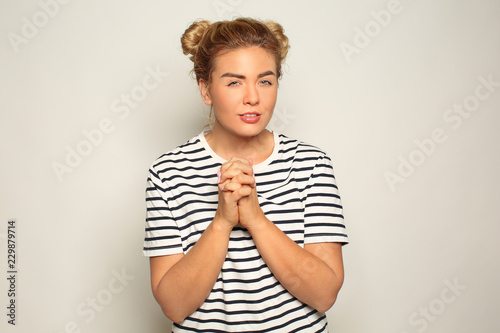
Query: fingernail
{"x": 218, "y": 176}
{"x": 250, "y": 160}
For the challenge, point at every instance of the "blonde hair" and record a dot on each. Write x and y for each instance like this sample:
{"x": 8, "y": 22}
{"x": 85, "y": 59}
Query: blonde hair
{"x": 204, "y": 41}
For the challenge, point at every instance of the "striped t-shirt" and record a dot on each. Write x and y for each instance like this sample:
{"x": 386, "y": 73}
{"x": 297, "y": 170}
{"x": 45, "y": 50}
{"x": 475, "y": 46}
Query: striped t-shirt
{"x": 296, "y": 190}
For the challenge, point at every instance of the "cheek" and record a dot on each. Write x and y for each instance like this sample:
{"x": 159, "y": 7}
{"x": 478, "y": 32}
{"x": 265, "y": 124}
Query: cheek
{"x": 225, "y": 100}
{"x": 270, "y": 96}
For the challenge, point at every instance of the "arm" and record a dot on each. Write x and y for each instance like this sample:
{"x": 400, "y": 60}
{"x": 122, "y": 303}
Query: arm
{"x": 313, "y": 274}
{"x": 181, "y": 283}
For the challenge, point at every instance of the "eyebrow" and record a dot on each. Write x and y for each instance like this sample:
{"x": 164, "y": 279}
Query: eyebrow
{"x": 242, "y": 77}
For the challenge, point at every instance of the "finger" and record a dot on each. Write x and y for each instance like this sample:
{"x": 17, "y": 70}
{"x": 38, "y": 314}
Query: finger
{"x": 242, "y": 192}
{"x": 229, "y": 186}
{"x": 233, "y": 192}
{"x": 245, "y": 191}
{"x": 237, "y": 162}
{"x": 234, "y": 168}
{"x": 244, "y": 179}
{"x": 231, "y": 173}
{"x": 239, "y": 159}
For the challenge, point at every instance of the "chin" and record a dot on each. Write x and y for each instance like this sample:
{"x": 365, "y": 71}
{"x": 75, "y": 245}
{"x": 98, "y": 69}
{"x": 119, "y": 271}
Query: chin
{"x": 250, "y": 131}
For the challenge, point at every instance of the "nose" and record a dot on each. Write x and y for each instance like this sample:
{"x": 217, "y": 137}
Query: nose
{"x": 251, "y": 95}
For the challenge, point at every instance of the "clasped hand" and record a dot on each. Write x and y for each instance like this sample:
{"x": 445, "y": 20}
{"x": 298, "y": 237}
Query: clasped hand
{"x": 238, "y": 201}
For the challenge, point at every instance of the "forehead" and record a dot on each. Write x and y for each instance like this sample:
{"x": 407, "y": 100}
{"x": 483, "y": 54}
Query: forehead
{"x": 245, "y": 61}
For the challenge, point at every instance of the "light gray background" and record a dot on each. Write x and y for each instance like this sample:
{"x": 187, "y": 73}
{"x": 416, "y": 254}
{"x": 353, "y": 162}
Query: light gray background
{"x": 422, "y": 217}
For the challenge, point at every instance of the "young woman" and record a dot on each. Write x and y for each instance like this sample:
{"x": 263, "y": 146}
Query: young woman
{"x": 244, "y": 226}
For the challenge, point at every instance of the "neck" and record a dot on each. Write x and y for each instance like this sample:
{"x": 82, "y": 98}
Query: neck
{"x": 228, "y": 145}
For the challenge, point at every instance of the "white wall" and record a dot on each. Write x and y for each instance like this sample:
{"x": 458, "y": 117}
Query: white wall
{"x": 419, "y": 179}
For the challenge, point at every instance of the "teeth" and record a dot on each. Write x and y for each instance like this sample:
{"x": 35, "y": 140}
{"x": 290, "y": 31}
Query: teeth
{"x": 250, "y": 115}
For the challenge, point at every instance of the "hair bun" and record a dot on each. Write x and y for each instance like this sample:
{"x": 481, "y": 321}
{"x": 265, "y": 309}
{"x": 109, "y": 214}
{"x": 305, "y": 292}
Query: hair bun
{"x": 279, "y": 33}
{"x": 191, "y": 38}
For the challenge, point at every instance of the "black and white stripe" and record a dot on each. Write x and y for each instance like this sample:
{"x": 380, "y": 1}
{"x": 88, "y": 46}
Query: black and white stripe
{"x": 297, "y": 191}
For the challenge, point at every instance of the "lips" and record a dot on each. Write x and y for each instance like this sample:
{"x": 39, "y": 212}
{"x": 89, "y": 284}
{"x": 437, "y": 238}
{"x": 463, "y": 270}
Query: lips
{"x": 250, "y": 117}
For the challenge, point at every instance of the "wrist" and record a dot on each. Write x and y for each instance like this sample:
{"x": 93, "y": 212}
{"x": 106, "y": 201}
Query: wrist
{"x": 259, "y": 225}
{"x": 220, "y": 225}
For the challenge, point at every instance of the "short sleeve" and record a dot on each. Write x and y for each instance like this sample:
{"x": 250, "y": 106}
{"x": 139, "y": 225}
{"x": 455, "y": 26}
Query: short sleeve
{"x": 162, "y": 232}
{"x": 323, "y": 214}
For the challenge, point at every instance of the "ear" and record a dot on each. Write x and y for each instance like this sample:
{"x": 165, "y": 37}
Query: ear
{"x": 205, "y": 92}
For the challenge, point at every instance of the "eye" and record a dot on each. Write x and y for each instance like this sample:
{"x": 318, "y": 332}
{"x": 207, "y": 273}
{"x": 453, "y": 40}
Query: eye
{"x": 233, "y": 83}
{"x": 266, "y": 82}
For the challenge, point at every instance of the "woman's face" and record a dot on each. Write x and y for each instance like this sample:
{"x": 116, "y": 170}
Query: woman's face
{"x": 242, "y": 91}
